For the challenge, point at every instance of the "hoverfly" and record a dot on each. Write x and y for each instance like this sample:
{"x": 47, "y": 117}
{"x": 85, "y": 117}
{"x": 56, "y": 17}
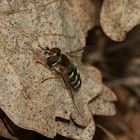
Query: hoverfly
{"x": 63, "y": 66}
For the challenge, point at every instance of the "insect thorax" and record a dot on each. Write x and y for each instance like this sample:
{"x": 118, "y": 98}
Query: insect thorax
{"x": 63, "y": 65}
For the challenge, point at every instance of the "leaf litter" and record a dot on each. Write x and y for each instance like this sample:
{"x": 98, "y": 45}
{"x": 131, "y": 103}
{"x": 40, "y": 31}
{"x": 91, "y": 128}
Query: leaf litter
{"x": 28, "y": 103}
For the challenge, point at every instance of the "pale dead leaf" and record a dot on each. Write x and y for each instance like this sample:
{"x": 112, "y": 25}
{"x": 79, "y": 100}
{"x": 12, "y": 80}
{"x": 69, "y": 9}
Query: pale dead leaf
{"x": 84, "y": 10}
{"x": 76, "y": 132}
{"x": 119, "y": 17}
{"x": 29, "y": 103}
{"x": 102, "y": 104}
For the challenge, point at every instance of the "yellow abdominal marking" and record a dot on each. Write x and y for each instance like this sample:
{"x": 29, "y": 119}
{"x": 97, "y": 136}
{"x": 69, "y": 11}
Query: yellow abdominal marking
{"x": 75, "y": 80}
{"x": 78, "y": 84}
{"x": 71, "y": 75}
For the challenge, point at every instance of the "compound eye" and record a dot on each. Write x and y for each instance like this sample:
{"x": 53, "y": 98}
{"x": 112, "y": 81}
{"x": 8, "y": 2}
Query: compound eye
{"x": 53, "y": 53}
{"x": 52, "y": 60}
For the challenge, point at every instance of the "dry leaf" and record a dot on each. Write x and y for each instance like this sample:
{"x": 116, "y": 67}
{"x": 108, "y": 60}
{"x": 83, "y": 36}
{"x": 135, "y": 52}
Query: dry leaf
{"x": 84, "y": 12}
{"x": 119, "y": 17}
{"x": 45, "y": 107}
{"x": 102, "y": 105}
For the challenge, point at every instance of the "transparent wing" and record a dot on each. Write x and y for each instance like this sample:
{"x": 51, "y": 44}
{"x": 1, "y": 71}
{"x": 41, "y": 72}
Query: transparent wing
{"x": 66, "y": 81}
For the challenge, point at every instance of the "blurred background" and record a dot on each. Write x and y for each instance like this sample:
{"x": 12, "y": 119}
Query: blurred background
{"x": 119, "y": 63}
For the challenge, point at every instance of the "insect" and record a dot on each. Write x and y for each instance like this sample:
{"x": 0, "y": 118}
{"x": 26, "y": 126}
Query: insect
{"x": 62, "y": 65}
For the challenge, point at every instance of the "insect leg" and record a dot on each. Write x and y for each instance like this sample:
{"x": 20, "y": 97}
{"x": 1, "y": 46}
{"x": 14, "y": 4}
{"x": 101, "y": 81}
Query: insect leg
{"x": 48, "y": 79}
{"x": 41, "y": 63}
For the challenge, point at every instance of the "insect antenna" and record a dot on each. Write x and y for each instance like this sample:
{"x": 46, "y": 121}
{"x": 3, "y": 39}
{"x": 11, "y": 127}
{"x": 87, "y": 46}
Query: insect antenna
{"x": 48, "y": 79}
{"x": 41, "y": 47}
{"x": 47, "y": 49}
{"x": 78, "y": 50}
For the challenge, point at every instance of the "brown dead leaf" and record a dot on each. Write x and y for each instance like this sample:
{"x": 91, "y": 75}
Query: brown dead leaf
{"x": 123, "y": 137}
{"x": 44, "y": 107}
{"x": 134, "y": 123}
{"x": 119, "y": 17}
{"x": 4, "y": 132}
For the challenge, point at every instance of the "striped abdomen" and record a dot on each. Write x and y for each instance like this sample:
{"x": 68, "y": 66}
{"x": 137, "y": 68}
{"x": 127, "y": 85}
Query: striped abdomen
{"x": 71, "y": 72}
{"x": 74, "y": 77}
